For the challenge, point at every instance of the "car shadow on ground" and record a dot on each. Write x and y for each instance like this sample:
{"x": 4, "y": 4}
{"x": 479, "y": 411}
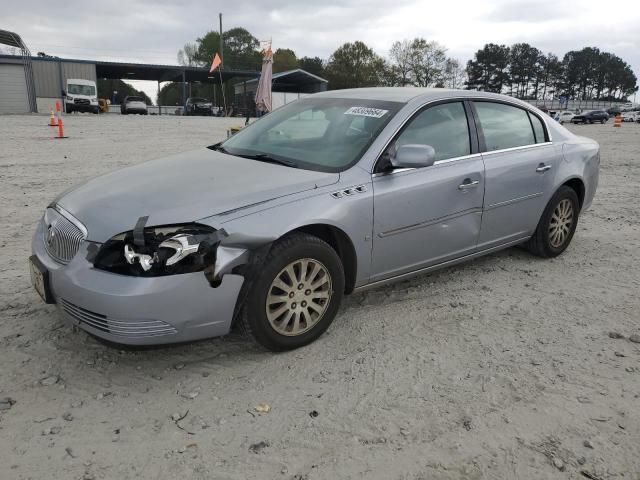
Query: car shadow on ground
{"x": 237, "y": 347}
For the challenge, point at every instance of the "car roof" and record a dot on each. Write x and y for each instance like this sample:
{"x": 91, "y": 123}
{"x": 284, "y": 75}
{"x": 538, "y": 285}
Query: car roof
{"x": 407, "y": 94}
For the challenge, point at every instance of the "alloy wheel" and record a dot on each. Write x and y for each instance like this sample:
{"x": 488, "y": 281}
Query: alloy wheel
{"x": 561, "y": 223}
{"x": 298, "y": 297}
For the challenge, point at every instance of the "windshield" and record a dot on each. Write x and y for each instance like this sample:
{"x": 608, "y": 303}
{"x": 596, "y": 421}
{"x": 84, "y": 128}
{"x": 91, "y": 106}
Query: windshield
{"x": 134, "y": 99}
{"x": 88, "y": 90}
{"x": 199, "y": 100}
{"x": 325, "y": 134}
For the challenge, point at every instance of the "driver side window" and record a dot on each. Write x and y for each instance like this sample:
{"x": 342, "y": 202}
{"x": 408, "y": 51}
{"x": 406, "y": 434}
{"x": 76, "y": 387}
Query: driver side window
{"x": 443, "y": 126}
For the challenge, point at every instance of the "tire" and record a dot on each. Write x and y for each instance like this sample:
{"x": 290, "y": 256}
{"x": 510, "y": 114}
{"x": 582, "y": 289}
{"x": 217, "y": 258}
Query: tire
{"x": 276, "y": 331}
{"x": 543, "y": 243}
{"x": 602, "y": 122}
{"x": 67, "y": 109}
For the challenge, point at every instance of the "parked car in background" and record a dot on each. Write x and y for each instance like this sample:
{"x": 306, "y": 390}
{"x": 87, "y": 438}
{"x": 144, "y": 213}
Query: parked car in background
{"x": 198, "y": 106}
{"x": 133, "y": 104}
{"x": 334, "y": 193}
{"x": 630, "y": 116}
{"x": 80, "y": 96}
{"x": 613, "y": 111}
{"x": 591, "y": 117}
{"x": 565, "y": 116}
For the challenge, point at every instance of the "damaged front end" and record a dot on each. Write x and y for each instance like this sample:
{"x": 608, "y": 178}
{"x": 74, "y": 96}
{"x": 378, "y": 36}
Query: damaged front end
{"x": 160, "y": 251}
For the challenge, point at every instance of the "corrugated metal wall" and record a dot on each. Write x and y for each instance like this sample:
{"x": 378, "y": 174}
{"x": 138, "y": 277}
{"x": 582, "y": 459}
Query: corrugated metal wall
{"x": 47, "y": 75}
{"x": 46, "y": 78}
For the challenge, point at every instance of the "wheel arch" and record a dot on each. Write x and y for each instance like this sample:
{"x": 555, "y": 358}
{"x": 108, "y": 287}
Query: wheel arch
{"x": 341, "y": 243}
{"x": 577, "y": 184}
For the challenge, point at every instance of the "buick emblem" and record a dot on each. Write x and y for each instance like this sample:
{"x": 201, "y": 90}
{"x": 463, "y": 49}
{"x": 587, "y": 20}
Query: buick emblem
{"x": 51, "y": 233}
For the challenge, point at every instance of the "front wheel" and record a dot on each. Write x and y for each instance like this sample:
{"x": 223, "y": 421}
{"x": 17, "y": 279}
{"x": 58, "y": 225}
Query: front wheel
{"x": 557, "y": 224}
{"x": 294, "y": 295}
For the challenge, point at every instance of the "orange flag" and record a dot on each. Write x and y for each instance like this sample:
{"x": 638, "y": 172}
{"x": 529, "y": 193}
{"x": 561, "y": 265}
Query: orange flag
{"x": 216, "y": 63}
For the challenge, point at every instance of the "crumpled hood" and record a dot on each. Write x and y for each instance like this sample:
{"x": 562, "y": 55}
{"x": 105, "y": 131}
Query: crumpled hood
{"x": 182, "y": 188}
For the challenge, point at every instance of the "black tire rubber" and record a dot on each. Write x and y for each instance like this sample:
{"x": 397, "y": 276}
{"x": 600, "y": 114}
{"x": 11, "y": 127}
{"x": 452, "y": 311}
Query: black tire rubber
{"x": 539, "y": 243}
{"x": 67, "y": 110}
{"x": 253, "y": 318}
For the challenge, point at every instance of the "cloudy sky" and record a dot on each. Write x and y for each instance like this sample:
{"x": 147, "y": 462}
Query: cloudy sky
{"x": 152, "y": 31}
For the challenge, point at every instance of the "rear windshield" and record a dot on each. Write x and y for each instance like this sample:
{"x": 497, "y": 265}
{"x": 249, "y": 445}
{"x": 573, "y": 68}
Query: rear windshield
{"x": 324, "y": 134}
{"x": 88, "y": 90}
{"x": 135, "y": 99}
{"x": 199, "y": 100}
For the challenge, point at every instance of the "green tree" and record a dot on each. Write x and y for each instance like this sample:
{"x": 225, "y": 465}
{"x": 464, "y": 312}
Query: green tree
{"x": 427, "y": 61}
{"x": 489, "y": 69}
{"x": 523, "y": 69}
{"x": 454, "y": 75}
{"x": 284, "y": 59}
{"x": 313, "y": 65}
{"x": 400, "y": 64}
{"x": 187, "y": 55}
{"x": 354, "y": 65}
{"x": 240, "y": 49}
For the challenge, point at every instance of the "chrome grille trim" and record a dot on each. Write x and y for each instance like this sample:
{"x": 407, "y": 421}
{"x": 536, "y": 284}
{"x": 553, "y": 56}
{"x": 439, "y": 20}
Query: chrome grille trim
{"x": 62, "y": 234}
{"x": 139, "y": 328}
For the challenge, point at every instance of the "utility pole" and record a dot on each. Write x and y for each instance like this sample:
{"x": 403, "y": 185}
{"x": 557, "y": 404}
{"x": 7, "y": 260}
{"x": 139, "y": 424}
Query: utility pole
{"x": 221, "y": 43}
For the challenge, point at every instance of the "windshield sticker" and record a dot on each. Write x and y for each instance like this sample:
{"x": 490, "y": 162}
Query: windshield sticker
{"x": 366, "y": 112}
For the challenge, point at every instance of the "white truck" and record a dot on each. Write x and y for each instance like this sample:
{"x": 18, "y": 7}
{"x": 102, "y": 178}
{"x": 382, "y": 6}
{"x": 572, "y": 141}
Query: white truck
{"x": 81, "y": 96}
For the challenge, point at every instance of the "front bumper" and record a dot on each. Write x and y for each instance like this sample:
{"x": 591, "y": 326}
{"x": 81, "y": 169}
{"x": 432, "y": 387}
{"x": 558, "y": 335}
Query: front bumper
{"x": 139, "y": 111}
{"x": 135, "y": 310}
{"x": 82, "y": 107}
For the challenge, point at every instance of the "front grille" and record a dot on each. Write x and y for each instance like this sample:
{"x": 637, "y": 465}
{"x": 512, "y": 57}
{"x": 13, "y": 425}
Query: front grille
{"x": 81, "y": 101}
{"x": 62, "y": 237}
{"x": 120, "y": 328}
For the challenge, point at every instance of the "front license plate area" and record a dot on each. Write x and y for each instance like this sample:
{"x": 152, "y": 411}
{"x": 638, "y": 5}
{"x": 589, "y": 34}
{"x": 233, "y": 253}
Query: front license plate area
{"x": 40, "y": 279}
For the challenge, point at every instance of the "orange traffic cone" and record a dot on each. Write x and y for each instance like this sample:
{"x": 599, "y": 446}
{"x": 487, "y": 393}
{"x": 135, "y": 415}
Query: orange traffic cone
{"x": 52, "y": 121}
{"x": 60, "y": 129}
{"x": 617, "y": 122}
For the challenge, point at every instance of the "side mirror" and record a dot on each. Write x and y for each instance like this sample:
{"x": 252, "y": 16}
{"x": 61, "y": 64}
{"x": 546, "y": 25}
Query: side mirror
{"x": 414, "y": 156}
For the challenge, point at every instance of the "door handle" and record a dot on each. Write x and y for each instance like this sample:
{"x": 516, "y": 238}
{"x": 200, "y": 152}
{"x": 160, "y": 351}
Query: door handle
{"x": 467, "y": 184}
{"x": 543, "y": 168}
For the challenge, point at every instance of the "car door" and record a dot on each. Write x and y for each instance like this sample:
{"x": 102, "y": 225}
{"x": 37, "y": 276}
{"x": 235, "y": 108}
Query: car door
{"x": 519, "y": 161}
{"x": 425, "y": 216}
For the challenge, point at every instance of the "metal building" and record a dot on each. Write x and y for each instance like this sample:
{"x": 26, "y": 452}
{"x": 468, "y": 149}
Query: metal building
{"x": 32, "y": 84}
{"x": 17, "y": 93}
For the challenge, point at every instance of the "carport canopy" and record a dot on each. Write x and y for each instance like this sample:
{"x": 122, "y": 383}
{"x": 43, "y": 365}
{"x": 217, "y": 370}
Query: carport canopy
{"x": 168, "y": 73}
{"x": 11, "y": 39}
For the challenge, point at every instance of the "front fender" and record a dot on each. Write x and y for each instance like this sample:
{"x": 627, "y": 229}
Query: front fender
{"x": 353, "y": 214}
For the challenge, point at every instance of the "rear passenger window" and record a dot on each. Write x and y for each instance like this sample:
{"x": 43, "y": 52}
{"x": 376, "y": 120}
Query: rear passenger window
{"x": 443, "y": 126}
{"x": 538, "y": 128}
{"x": 504, "y": 126}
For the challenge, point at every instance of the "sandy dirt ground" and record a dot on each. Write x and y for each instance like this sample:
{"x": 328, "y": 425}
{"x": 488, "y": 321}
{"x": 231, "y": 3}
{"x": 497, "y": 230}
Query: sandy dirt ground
{"x": 502, "y": 368}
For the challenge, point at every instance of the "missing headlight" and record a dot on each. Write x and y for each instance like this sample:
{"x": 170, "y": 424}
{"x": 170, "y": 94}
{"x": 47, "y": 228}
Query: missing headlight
{"x": 166, "y": 250}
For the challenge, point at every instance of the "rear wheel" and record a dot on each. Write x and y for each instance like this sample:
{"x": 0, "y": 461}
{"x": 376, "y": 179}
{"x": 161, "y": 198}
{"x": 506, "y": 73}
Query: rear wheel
{"x": 295, "y": 294}
{"x": 557, "y": 224}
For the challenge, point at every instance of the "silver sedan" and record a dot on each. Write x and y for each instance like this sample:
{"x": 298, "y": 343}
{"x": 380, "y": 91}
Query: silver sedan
{"x": 331, "y": 194}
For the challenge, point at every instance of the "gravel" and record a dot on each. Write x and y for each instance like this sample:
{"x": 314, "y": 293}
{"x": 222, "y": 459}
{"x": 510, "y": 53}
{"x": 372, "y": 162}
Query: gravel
{"x": 509, "y": 340}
